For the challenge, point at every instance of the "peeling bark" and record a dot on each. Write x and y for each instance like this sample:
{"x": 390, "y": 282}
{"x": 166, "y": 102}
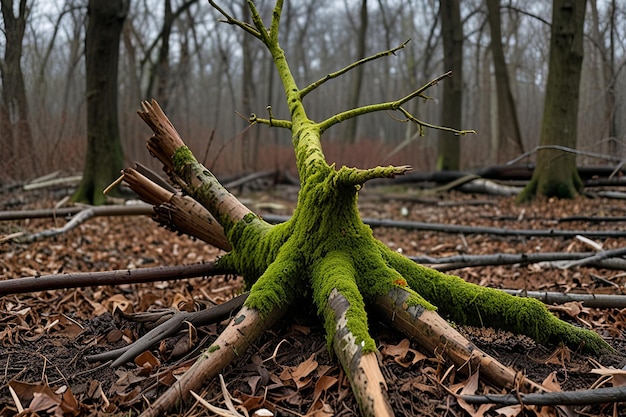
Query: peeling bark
{"x": 363, "y": 370}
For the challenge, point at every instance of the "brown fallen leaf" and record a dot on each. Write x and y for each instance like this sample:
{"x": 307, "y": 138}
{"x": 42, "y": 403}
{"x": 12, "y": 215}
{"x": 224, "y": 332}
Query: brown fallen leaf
{"x": 40, "y": 397}
{"x": 300, "y": 374}
{"x": 402, "y": 353}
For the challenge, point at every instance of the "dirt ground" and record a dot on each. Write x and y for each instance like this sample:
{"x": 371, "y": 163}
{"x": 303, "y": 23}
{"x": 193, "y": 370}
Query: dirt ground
{"x": 45, "y": 336}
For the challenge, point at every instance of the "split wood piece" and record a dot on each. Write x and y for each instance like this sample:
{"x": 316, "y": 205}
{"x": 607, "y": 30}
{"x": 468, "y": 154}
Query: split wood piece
{"x": 434, "y": 334}
{"x": 117, "y": 277}
{"x": 193, "y": 176}
{"x": 169, "y": 328}
{"x": 176, "y": 212}
{"x": 363, "y": 371}
{"x": 241, "y": 332}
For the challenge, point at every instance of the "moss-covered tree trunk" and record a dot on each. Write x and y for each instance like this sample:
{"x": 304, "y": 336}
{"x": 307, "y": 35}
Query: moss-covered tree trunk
{"x": 326, "y": 255}
{"x": 104, "y": 157}
{"x": 555, "y": 174}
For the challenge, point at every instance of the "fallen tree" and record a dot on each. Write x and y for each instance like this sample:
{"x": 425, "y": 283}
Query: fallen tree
{"x": 326, "y": 255}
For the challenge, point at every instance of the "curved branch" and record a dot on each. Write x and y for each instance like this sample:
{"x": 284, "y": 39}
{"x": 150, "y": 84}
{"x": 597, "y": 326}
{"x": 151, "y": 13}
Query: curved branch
{"x": 338, "y": 299}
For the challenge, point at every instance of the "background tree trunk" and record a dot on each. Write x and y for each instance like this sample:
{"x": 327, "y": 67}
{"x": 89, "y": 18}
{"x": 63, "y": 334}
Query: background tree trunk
{"x": 509, "y": 137}
{"x": 104, "y": 158}
{"x": 350, "y": 127}
{"x": 452, "y": 34}
{"x": 14, "y": 126}
{"x": 555, "y": 174}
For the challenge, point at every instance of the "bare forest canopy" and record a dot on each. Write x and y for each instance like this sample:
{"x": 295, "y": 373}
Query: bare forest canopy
{"x": 205, "y": 75}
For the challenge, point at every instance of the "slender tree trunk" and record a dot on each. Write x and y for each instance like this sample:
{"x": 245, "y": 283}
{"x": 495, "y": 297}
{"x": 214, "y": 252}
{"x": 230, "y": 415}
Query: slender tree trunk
{"x": 555, "y": 174}
{"x": 14, "y": 126}
{"x": 104, "y": 157}
{"x": 452, "y": 33}
{"x": 249, "y": 140}
{"x": 350, "y": 127}
{"x": 509, "y": 137}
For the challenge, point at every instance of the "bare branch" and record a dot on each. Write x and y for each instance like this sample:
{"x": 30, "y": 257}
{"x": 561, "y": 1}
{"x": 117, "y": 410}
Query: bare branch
{"x": 232, "y": 21}
{"x": 306, "y": 90}
{"x": 117, "y": 277}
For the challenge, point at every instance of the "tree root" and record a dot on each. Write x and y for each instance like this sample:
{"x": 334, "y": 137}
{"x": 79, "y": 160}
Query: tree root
{"x": 363, "y": 371}
{"x": 241, "y": 332}
{"x": 434, "y": 334}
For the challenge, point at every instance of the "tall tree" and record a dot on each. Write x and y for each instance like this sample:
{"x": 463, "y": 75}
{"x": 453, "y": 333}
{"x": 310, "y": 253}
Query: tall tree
{"x": 349, "y": 132}
{"x": 608, "y": 71}
{"x": 14, "y": 127}
{"x": 555, "y": 174}
{"x": 160, "y": 79}
{"x": 509, "y": 138}
{"x": 451, "y": 111}
{"x": 249, "y": 150}
{"x": 104, "y": 157}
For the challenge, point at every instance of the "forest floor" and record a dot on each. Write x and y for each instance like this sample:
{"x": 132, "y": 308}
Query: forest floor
{"x": 45, "y": 336}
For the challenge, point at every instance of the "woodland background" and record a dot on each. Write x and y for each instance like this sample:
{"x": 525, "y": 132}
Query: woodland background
{"x": 203, "y": 74}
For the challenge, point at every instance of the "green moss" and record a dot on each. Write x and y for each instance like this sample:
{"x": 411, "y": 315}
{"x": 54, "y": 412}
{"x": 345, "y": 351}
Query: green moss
{"x": 282, "y": 283}
{"x": 472, "y": 304}
{"x": 182, "y": 156}
{"x": 336, "y": 272}
{"x": 213, "y": 348}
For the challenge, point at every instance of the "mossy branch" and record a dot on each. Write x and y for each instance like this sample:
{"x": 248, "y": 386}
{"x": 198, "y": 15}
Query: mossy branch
{"x": 356, "y": 177}
{"x": 391, "y": 105}
{"x": 306, "y": 90}
{"x": 270, "y": 121}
